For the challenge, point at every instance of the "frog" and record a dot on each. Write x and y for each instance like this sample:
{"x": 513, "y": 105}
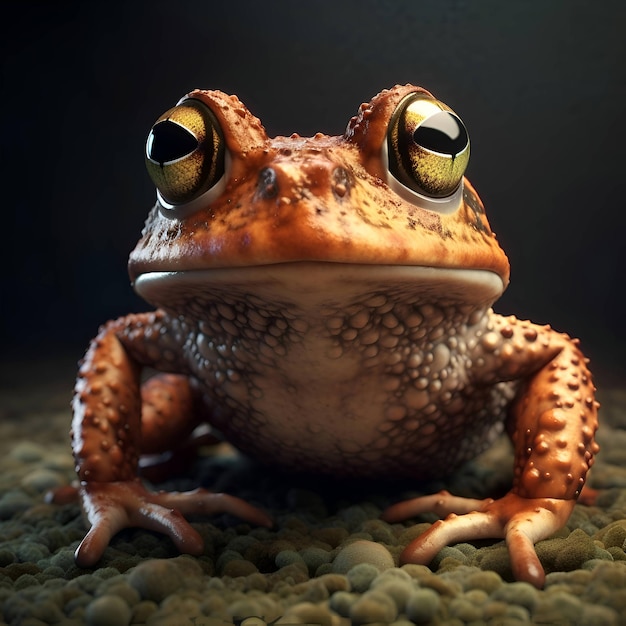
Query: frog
{"x": 325, "y": 305}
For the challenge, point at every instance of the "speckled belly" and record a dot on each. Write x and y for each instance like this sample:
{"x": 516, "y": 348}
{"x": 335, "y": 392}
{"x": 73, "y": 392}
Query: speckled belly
{"x": 353, "y": 427}
{"x": 348, "y": 379}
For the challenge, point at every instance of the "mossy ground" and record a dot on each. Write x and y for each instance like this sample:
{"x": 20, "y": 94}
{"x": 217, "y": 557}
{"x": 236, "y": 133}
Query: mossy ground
{"x": 329, "y": 560}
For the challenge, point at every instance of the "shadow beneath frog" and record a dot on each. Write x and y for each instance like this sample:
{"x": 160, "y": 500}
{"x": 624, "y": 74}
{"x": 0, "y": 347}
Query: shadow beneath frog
{"x": 318, "y": 496}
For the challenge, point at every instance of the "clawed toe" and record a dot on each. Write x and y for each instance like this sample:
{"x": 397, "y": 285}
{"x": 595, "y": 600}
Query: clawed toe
{"x": 441, "y": 504}
{"x": 110, "y": 507}
{"x": 203, "y": 502}
{"x": 454, "y": 529}
{"x": 520, "y": 521}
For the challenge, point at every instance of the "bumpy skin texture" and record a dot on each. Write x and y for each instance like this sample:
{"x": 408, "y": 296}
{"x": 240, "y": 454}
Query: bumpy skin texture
{"x": 322, "y": 322}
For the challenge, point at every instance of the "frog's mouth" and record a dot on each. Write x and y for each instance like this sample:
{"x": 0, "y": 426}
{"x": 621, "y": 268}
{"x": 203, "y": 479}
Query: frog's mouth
{"x": 309, "y": 286}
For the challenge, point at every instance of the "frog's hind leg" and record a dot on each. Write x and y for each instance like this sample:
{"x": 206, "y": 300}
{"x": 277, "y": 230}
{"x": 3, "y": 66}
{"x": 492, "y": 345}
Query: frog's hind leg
{"x": 552, "y": 425}
{"x": 173, "y": 425}
{"x": 172, "y": 414}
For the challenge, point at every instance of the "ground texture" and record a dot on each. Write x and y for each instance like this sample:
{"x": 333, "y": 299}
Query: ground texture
{"x": 330, "y": 559}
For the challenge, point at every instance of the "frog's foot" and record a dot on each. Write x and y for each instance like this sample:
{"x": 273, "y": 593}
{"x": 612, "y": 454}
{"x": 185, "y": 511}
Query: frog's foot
{"x": 110, "y": 507}
{"x": 520, "y": 521}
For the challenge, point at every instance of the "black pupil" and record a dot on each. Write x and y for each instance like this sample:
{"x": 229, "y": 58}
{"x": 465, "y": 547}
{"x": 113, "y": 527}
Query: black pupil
{"x": 169, "y": 142}
{"x": 441, "y": 133}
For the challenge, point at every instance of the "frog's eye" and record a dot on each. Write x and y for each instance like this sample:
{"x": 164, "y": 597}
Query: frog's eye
{"x": 427, "y": 147}
{"x": 185, "y": 153}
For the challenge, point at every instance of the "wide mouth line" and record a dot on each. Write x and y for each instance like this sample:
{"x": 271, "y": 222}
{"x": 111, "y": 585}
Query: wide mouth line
{"x": 331, "y": 269}
{"x": 305, "y": 277}
{"x": 360, "y": 267}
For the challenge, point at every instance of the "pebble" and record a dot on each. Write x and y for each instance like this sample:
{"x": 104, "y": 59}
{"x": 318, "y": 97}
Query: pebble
{"x": 398, "y": 590}
{"x": 342, "y": 601}
{"x": 361, "y": 576}
{"x": 422, "y": 605}
{"x": 373, "y": 606}
{"x": 520, "y": 593}
{"x": 307, "y": 613}
{"x": 225, "y": 557}
{"x": 121, "y": 589}
{"x": 29, "y": 551}
{"x": 289, "y": 557}
{"x": 465, "y": 610}
{"x": 315, "y": 558}
{"x": 518, "y": 613}
{"x": 108, "y": 610}
{"x": 143, "y": 610}
{"x": 26, "y": 580}
{"x": 238, "y": 567}
{"x": 485, "y": 580}
{"x": 565, "y": 605}
{"x": 592, "y": 615}
{"x": 41, "y": 480}
{"x": 362, "y": 551}
{"x": 247, "y": 608}
{"x": 334, "y": 582}
{"x": 13, "y": 503}
{"x": 448, "y": 552}
{"x": 27, "y": 452}
{"x": 155, "y": 579}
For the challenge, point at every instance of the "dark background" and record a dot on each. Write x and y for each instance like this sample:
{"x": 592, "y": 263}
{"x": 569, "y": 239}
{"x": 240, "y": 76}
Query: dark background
{"x": 540, "y": 85}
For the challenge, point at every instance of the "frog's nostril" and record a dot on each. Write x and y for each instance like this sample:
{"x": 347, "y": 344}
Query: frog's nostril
{"x": 341, "y": 182}
{"x": 268, "y": 183}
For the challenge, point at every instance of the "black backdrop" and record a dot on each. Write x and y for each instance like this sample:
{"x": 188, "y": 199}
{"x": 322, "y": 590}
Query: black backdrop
{"x": 540, "y": 86}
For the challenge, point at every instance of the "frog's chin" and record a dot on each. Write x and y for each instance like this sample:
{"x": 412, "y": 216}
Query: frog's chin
{"x": 315, "y": 285}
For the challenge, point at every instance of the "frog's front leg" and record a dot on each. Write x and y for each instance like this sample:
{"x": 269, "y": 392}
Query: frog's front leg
{"x": 552, "y": 424}
{"x": 107, "y": 442}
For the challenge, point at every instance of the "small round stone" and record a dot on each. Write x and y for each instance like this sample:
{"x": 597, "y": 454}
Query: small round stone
{"x": 107, "y": 610}
{"x": 155, "y": 579}
{"x": 143, "y": 610}
{"x": 394, "y": 574}
{"x": 362, "y": 551}
{"x": 28, "y": 552}
{"x": 342, "y": 601}
{"x": 225, "y": 557}
{"x": 422, "y": 605}
{"x": 24, "y": 581}
{"x": 121, "y": 589}
{"x": 361, "y": 576}
{"x": 246, "y": 608}
{"x": 307, "y": 613}
{"x": 253, "y": 621}
{"x": 288, "y": 557}
{"x": 448, "y": 552}
{"x": 27, "y": 452}
{"x": 334, "y": 582}
{"x": 465, "y": 610}
{"x": 40, "y": 480}
{"x": 615, "y": 535}
{"x": 520, "y": 593}
{"x": 314, "y": 558}
{"x": 398, "y": 590}
{"x": 595, "y": 614}
{"x": 485, "y": 580}
{"x": 239, "y": 567}
{"x": 565, "y": 605}
{"x": 373, "y": 606}
{"x": 14, "y": 502}
{"x": 518, "y": 613}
